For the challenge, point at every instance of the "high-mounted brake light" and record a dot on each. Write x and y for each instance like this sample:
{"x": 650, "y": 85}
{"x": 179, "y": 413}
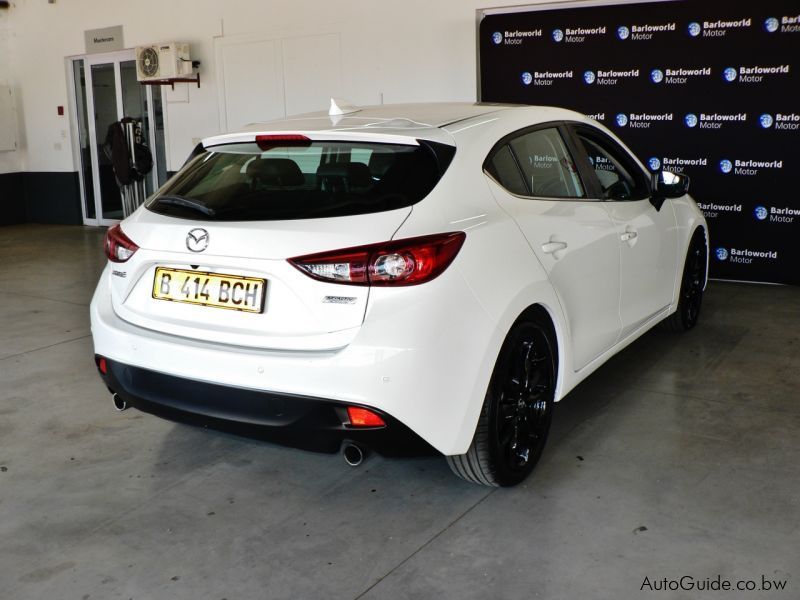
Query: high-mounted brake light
{"x": 400, "y": 262}
{"x": 118, "y": 246}
{"x": 362, "y": 417}
{"x": 279, "y": 140}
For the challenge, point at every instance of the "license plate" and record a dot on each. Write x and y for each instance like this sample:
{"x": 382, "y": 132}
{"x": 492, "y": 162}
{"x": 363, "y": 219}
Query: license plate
{"x": 210, "y": 289}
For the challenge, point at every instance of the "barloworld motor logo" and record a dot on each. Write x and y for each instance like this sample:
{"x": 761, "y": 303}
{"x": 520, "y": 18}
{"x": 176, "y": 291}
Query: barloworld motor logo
{"x": 621, "y": 119}
{"x": 725, "y": 165}
{"x": 623, "y": 32}
{"x": 527, "y": 78}
{"x": 772, "y": 24}
{"x": 729, "y": 74}
{"x": 657, "y": 75}
{"x": 694, "y": 29}
{"x": 497, "y": 37}
{"x": 761, "y": 213}
{"x": 744, "y": 256}
{"x": 654, "y": 164}
{"x": 690, "y": 120}
{"x": 766, "y": 120}
{"x": 589, "y": 77}
{"x": 558, "y": 35}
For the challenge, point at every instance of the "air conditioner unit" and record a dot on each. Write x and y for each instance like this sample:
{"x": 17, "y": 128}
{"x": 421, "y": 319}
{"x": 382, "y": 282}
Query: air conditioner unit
{"x": 163, "y": 61}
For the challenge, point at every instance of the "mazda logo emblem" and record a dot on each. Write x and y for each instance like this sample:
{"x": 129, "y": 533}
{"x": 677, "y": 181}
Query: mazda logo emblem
{"x": 197, "y": 240}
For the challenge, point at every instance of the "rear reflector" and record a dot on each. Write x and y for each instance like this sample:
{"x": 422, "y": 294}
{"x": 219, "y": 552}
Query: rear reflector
{"x": 102, "y": 365}
{"x": 279, "y": 140}
{"x": 400, "y": 262}
{"x": 362, "y": 417}
{"x": 118, "y": 246}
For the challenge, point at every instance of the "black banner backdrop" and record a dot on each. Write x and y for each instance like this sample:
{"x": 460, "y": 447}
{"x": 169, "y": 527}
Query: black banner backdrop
{"x": 709, "y": 89}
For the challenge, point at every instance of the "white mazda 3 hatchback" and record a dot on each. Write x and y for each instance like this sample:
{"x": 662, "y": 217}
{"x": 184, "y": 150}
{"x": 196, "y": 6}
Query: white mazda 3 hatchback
{"x": 407, "y": 279}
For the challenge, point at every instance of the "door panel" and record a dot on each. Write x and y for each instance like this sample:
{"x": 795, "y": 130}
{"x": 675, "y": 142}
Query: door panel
{"x": 84, "y": 140}
{"x": 577, "y": 244}
{"x": 573, "y": 237}
{"x": 649, "y": 252}
{"x": 647, "y": 237}
{"x": 104, "y": 102}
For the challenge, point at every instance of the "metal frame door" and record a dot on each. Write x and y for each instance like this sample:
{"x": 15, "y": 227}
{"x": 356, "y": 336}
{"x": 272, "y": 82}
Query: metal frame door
{"x": 110, "y": 58}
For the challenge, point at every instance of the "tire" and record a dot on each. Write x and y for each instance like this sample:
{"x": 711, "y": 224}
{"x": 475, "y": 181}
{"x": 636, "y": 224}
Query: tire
{"x": 517, "y": 411}
{"x": 692, "y": 281}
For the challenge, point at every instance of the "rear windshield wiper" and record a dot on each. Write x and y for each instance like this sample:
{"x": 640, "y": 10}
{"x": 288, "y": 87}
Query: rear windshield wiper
{"x": 186, "y": 203}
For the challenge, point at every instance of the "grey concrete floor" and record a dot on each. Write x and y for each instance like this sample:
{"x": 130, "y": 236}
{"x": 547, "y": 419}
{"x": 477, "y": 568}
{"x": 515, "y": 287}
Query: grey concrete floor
{"x": 681, "y": 456}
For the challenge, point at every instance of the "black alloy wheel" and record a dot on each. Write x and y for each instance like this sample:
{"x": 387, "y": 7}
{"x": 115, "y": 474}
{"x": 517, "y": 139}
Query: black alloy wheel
{"x": 692, "y": 284}
{"x": 517, "y": 412}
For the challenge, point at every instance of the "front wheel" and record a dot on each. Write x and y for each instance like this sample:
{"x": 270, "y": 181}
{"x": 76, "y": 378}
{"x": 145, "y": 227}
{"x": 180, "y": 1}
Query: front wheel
{"x": 517, "y": 411}
{"x": 692, "y": 284}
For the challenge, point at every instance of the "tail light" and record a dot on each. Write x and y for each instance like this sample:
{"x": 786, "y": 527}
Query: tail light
{"x": 400, "y": 262}
{"x": 118, "y": 246}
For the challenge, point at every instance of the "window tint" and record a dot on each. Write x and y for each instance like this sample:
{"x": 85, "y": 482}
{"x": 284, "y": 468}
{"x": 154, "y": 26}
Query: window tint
{"x": 243, "y": 182}
{"x": 549, "y": 169}
{"x": 620, "y": 178}
{"x": 503, "y": 167}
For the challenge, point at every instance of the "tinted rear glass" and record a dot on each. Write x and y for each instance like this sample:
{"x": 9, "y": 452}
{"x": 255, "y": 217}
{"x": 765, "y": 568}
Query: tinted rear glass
{"x": 245, "y": 182}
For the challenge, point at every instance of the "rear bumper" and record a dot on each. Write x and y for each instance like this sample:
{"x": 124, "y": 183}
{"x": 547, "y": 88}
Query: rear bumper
{"x": 424, "y": 356}
{"x": 299, "y": 421}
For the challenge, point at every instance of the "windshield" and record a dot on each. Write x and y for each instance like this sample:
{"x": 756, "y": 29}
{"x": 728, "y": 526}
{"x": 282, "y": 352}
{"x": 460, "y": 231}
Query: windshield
{"x": 246, "y": 182}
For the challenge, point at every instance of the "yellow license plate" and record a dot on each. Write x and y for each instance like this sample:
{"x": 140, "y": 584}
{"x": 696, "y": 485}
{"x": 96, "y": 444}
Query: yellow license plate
{"x": 210, "y": 289}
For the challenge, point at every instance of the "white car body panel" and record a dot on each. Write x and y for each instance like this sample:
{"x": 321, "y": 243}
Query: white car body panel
{"x": 423, "y": 354}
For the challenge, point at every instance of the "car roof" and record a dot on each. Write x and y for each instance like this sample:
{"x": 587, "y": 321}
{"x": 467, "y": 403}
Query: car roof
{"x": 387, "y": 122}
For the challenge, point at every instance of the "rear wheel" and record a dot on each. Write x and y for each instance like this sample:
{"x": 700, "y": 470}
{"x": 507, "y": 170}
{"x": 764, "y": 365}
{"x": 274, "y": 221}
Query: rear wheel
{"x": 692, "y": 283}
{"x": 517, "y": 411}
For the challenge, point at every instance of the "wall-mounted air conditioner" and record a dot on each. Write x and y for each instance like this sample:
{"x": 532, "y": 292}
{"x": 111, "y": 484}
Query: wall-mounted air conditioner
{"x": 163, "y": 61}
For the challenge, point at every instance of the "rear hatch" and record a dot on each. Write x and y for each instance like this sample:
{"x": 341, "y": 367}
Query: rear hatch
{"x": 214, "y": 241}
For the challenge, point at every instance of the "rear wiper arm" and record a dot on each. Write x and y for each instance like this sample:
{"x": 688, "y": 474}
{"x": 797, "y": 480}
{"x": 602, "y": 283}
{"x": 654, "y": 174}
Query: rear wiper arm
{"x": 186, "y": 203}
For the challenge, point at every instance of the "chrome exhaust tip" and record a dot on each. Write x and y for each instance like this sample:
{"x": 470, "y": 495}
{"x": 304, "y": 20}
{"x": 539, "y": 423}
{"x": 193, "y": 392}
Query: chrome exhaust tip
{"x": 353, "y": 454}
{"x": 119, "y": 403}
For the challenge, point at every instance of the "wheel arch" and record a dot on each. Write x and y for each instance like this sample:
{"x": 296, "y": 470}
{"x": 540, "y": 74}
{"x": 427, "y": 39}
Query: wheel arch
{"x": 552, "y": 316}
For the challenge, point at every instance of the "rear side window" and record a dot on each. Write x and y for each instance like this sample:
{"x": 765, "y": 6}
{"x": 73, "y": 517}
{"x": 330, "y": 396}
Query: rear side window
{"x": 503, "y": 167}
{"x": 245, "y": 182}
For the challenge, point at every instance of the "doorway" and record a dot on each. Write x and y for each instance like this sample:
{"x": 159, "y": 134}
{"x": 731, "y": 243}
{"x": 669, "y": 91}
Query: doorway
{"x": 105, "y": 90}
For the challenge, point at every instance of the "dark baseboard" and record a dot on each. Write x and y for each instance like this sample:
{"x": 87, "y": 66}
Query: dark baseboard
{"x": 40, "y": 197}
{"x": 53, "y": 198}
{"x": 12, "y": 199}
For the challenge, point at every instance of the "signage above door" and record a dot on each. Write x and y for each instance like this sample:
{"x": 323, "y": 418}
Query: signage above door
{"x": 107, "y": 39}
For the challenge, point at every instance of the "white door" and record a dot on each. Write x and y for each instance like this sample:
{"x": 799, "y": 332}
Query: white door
{"x": 572, "y": 235}
{"x": 647, "y": 236}
{"x": 105, "y": 90}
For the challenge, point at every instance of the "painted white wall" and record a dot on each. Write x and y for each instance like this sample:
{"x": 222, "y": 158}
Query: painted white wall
{"x": 407, "y": 50}
{"x": 9, "y": 161}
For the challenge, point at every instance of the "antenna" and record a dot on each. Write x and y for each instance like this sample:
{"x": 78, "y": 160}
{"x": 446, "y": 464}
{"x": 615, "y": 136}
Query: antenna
{"x": 341, "y": 107}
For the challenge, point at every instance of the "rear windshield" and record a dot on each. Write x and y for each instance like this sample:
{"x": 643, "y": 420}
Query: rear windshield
{"x": 246, "y": 182}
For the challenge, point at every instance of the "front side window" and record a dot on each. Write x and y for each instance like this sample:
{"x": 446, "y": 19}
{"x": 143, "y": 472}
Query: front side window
{"x": 547, "y": 165}
{"x": 246, "y": 182}
{"x": 619, "y": 176}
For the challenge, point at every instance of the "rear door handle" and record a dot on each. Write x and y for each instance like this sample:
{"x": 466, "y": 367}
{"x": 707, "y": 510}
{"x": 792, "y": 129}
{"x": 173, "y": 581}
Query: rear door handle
{"x": 628, "y": 236}
{"x": 551, "y": 247}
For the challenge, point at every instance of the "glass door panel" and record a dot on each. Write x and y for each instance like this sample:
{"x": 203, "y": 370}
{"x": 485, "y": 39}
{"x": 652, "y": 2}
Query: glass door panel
{"x": 84, "y": 137}
{"x": 135, "y": 106}
{"x": 104, "y": 97}
{"x": 159, "y": 140}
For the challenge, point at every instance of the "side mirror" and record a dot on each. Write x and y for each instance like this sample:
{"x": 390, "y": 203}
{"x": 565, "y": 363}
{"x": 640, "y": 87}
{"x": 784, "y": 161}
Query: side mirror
{"x": 667, "y": 184}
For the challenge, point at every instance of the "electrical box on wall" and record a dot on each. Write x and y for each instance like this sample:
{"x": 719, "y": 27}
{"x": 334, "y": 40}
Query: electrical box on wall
{"x": 8, "y": 120}
{"x": 163, "y": 61}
